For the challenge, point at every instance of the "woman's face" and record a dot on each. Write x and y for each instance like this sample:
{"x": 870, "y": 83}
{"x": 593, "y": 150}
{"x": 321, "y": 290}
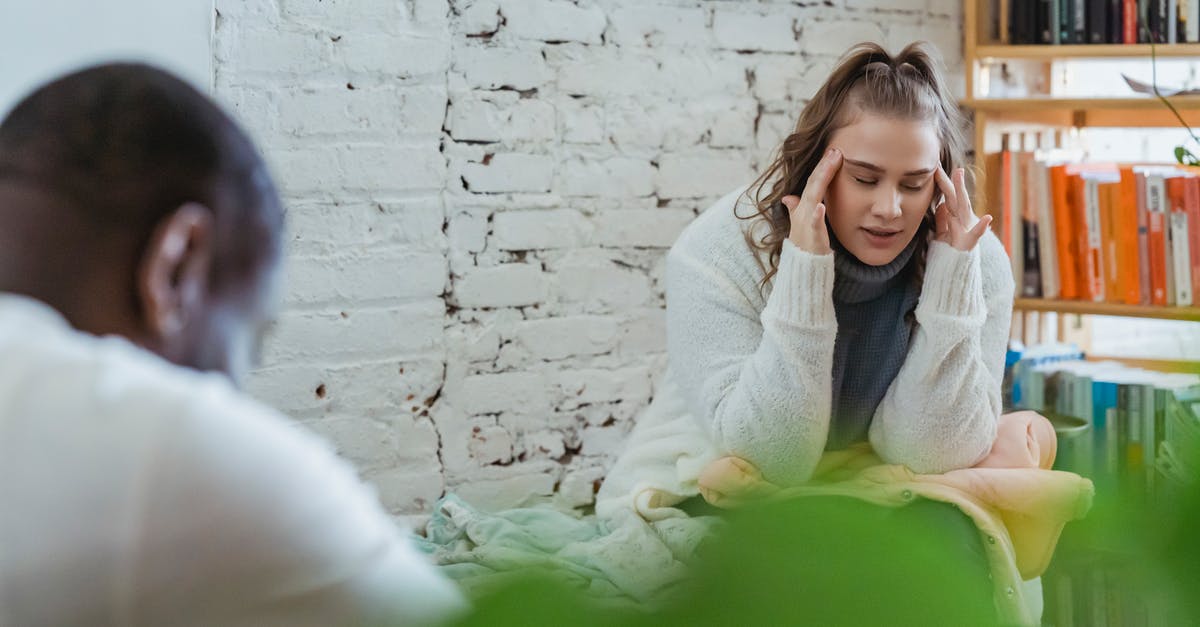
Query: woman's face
{"x": 878, "y": 197}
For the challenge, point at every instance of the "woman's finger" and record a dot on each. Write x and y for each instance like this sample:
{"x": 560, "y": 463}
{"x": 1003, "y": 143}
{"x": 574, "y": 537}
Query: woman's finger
{"x": 819, "y": 180}
{"x": 941, "y": 221}
{"x": 965, "y": 212}
{"x": 976, "y": 232}
{"x": 949, "y": 193}
{"x": 791, "y": 202}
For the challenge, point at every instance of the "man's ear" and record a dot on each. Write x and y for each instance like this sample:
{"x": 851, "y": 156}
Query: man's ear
{"x": 173, "y": 272}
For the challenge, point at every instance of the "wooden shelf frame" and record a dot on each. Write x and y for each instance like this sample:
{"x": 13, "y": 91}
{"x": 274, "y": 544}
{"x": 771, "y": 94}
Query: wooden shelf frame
{"x": 989, "y": 51}
{"x": 1107, "y": 309}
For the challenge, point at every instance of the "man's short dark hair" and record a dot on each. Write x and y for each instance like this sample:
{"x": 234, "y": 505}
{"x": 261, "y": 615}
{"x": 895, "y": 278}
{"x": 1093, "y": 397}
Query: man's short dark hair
{"x": 126, "y": 144}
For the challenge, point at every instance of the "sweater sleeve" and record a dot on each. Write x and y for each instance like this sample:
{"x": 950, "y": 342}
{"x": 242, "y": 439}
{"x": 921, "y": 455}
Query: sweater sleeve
{"x": 759, "y": 381}
{"x": 941, "y": 410}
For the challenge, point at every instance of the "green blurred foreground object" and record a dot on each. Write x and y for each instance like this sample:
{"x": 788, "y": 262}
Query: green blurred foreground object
{"x": 813, "y": 561}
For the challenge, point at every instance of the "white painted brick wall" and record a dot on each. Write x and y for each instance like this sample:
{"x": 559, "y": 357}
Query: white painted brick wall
{"x": 480, "y": 193}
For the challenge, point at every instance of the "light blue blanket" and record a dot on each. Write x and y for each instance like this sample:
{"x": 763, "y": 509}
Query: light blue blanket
{"x": 624, "y": 557}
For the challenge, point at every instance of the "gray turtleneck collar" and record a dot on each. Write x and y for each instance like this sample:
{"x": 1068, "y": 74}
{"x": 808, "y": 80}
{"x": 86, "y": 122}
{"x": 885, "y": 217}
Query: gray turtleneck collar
{"x": 857, "y": 282}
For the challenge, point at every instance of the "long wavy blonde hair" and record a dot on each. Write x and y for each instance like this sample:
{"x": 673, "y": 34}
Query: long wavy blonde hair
{"x": 907, "y": 86}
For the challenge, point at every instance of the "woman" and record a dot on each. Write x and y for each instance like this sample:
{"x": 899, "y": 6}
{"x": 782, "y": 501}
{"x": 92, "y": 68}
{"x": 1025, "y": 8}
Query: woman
{"x": 850, "y": 294}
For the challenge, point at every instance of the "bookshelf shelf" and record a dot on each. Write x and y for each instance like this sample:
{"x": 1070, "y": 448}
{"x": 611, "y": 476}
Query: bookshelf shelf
{"x": 1107, "y": 309}
{"x": 1084, "y": 112}
{"x": 1091, "y": 51}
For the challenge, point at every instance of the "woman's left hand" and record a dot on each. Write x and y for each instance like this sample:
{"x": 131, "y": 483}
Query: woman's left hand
{"x": 954, "y": 218}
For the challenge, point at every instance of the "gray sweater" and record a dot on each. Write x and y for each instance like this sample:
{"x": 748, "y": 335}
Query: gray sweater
{"x": 872, "y": 305}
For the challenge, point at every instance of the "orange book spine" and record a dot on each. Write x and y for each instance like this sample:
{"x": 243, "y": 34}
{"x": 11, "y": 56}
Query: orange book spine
{"x": 1064, "y": 229}
{"x": 1127, "y": 228}
{"x": 1085, "y": 265}
{"x": 1191, "y": 203}
{"x": 1113, "y": 289}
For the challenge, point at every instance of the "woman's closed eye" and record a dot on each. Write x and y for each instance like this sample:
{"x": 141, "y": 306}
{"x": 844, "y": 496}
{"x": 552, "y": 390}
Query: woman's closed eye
{"x": 908, "y": 187}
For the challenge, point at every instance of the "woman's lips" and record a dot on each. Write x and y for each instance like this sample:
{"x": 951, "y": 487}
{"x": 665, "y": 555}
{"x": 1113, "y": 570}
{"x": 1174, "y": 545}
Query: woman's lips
{"x": 881, "y": 238}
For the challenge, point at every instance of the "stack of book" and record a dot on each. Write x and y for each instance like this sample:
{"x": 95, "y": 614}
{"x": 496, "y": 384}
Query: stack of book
{"x": 1134, "y": 425}
{"x": 1100, "y": 232}
{"x": 1136, "y": 433}
{"x": 1097, "y": 21}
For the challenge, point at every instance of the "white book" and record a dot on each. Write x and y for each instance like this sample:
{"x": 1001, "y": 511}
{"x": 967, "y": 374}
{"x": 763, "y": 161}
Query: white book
{"x": 1017, "y": 232}
{"x": 1047, "y": 247}
{"x": 1193, "y": 21}
{"x": 1182, "y": 274}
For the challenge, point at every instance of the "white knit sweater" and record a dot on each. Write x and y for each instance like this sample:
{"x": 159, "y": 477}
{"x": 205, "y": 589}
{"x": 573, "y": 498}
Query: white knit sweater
{"x": 753, "y": 367}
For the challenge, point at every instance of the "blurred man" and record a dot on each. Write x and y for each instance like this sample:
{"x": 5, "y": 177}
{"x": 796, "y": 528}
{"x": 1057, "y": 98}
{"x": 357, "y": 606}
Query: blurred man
{"x": 140, "y": 245}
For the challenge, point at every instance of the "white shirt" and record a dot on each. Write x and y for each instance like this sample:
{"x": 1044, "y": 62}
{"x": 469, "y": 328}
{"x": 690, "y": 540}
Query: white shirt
{"x": 135, "y": 492}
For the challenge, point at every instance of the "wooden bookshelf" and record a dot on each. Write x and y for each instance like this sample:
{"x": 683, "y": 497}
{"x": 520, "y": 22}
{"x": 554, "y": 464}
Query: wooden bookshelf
{"x": 1107, "y": 309}
{"x": 1140, "y": 112}
{"x": 1089, "y": 51}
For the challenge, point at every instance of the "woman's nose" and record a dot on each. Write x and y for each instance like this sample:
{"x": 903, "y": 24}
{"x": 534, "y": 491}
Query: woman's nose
{"x": 887, "y": 205}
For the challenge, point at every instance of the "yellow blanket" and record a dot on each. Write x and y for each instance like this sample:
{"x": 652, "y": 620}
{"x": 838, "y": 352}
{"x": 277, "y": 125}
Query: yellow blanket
{"x": 1018, "y": 503}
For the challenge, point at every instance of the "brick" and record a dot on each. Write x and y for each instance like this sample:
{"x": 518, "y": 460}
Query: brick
{"x": 581, "y": 387}
{"x": 532, "y": 230}
{"x": 509, "y": 285}
{"x": 658, "y": 26}
{"x": 275, "y": 51}
{"x": 652, "y": 228}
{"x": 757, "y": 32}
{"x": 692, "y": 176}
{"x": 835, "y": 37}
{"x": 491, "y": 445}
{"x": 570, "y": 336}
{"x": 603, "y": 72}
{"x": 495, "y": 68}
{"x": 364, "y": 442}
{"x": 553, "y": 20}
{"x": 494, "y": 393}
{"x": 491, "y": 121}
{"x": 388, "y": 390}
{"x": 362, "y": 113}
{"x": 480, "y": 18}
{"x": 600, "y": 285}
{"x": 946, "y": 39}
{"x": 617, "y": 177}
{"x": 605, "y": 441}
{"x": 734, "y": 127}
{"x": 579, "y": 123}
{"x": 578, "y": 486}
{"x": 345, "y": 15}
{"x": 376, "y": 168}
{"x": 467, "y": 232}
{"x": 330, "y": 227}
{"x": 408, "y": 488}
{"x": 394, "y": 56}
{"x": 507, "y": 493}
{"x": 510, "y": 172}
{"x": 643, "y": 333}
{"x": 377, "y": 276}
{"x": 359, "y": 334}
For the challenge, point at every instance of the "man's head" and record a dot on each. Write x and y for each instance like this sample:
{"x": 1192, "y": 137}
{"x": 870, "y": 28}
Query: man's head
{"x": 134, "y": 206}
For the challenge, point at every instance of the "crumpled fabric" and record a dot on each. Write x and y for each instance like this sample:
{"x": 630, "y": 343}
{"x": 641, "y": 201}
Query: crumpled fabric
{"x": 1018, "y": 503}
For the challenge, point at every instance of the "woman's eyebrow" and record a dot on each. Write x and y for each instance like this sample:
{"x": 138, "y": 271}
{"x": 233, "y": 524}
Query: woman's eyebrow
{"x": 874, "y": 168}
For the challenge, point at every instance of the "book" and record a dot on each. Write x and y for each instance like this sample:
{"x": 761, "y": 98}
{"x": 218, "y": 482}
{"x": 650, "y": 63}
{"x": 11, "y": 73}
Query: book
{"x": 1129, "y": 21}
{"x": 1047, "y": 245}
{"x": 1128, "y": 260}
{"x": 1064, "y": 228}
{"x": 1156, "y": 235}
{"x": 1181, "y": 263}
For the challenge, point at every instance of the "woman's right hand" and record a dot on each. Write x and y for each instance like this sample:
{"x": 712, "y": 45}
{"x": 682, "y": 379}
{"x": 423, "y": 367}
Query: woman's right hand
{"x": 807, "y": 211}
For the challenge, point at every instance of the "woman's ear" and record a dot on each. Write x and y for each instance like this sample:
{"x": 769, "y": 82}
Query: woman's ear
{"x": 172, "y": 280}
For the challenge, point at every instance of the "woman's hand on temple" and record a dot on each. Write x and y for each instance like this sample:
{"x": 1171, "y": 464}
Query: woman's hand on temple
{"x": 807, "y": 212}
{"x": 954, "y": 218}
